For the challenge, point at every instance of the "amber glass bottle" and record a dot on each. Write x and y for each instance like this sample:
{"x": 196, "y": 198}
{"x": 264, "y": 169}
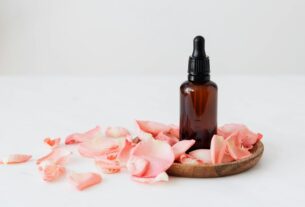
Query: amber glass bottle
{"x": 198, "y": 100}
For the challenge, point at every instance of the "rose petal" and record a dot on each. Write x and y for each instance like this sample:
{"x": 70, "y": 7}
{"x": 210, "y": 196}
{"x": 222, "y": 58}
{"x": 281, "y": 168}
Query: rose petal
{"x": 82, "y": 137}
{"x": 58, "y": 156}
{"x": 174, "y": 130}
{"x": 116, "y": 132}
{"x": 162, "y": 177}
{"x": 246, "y": 136}
{"x": 203, "y": 155}
{"x": 52, "y": 172}
{"x": 15, "y": 159}
{"x": 98, "y": 147}
{"x": 181, "y": 147}
{"x": 159, "y": 155}
{"x": 124, "y": 153}
{"x": 166, "y": 137}
{"x": 84, "y": 180}
{"x": 153, "y": 128}
{"x": 188, "y": 159}
{"x": 52, "y": 142}
{"x": 218, "y": 148}
{"x": 235, "y": 149}
{"x": 137, "y": 166}
{"x": 107, "y": 165}
{"x": 227, "y": 158}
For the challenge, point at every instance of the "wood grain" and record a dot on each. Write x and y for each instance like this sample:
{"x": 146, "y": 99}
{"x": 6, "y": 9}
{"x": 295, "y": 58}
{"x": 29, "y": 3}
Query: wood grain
{"x": 218, "y": 170}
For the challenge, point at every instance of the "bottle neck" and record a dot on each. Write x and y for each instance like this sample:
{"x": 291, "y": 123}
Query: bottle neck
{"x": 199, "y": 78}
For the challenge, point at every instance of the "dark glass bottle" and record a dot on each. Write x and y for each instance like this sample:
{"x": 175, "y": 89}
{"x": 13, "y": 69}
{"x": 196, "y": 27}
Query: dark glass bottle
{"x": 198, "y": 100}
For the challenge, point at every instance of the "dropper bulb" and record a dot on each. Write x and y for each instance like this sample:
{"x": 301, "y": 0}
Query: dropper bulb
{"x": 198, "y": 50}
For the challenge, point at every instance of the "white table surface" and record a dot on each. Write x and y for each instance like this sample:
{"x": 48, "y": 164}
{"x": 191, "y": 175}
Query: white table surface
{"x": 32, "y": 108}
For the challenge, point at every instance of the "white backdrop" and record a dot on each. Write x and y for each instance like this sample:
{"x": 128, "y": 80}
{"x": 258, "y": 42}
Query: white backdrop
{"x": 95, "y": 37}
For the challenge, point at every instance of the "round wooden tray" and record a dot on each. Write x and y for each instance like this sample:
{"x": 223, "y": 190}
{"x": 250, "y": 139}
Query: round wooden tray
{"x": 218, "y": 170}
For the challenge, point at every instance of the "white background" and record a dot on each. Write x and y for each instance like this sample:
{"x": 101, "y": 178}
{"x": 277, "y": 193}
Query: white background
{"x": 95, "y": 37}
{"x": 138, "y": 52}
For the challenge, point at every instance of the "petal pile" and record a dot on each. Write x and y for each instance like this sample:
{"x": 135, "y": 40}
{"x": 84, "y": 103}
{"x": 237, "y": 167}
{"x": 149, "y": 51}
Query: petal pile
{"x": 146, "y": 155}
{"x": 232, "y": 142}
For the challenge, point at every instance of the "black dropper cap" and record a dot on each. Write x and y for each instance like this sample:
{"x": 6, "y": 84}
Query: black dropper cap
{"x": 199, "y": 63}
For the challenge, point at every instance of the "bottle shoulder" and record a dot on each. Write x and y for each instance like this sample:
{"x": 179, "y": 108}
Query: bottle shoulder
{"x": 188, "y": 84}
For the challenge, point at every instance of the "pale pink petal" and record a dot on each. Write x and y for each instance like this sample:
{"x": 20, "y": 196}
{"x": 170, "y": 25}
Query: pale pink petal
{"x": 235, "y": 149}
{"x": 174, "y": 130}
{"x": 98, "y": 147}
{"x": 137, "y": 166}
{"x": 84, "y": 180}
{"x": 116, "y": 132}
{"x": 159, "y": 155}
{"x": 203, "y": 155}
{"x": 82, "y": 137}
{"x": 52, "y": 172}
{"x": 246, "y": 136}
{"x": 181, "y": 147}
{"x": 124, "y": 153}
{"x": 108, "y": 166}
{"x": 152, "y": 127}
{"x": 58, "y": 156}
{"x": 227, "y": 158}
{"x": 15, "y": 159}
{"x": 218, "y": 148}
{"x": 162, "y": 177}
{"x": 52, "y": 142}
{"x": 188, "y": 159}
{"x": 166, "y": 137}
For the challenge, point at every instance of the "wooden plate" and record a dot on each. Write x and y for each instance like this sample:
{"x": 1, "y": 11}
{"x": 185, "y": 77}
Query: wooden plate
{"x": 218, "y": 170}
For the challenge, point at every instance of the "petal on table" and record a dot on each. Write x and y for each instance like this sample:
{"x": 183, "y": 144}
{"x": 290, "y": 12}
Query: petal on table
{"x": 153, "y": 128}
{"x": 84, "y": 180}
{"x": 116, "y": 132}
{"x": 124, "y": 153}
{"x": 188, "y": 159}
{"x": 182, "y": 146}
{"x": 52, "y": 142}
{"x": 159, "y": 155}
{"x": 167, "y": 137}
{"x": 236, "y": 150}
{"x": 162, "y": 177}
{"x": 58, "y": 155}
{"x": 109, "y": 166}
{"x": 52, "y": 172}
{"x": 137, "y": 166}
{"x": 98, "y": 147}
{"x": 15, "y": 159}
{"x": 203, "y": 155}
{"x": 218, "y": 148}
{"x": 82, "y": 137}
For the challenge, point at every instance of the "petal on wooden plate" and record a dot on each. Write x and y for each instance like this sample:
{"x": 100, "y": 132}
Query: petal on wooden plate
{"x": 218, "y": 148}
{"x": 236, "y": 150}
{"x": 203, "y": 155}
{"x": 181, "y": 147}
